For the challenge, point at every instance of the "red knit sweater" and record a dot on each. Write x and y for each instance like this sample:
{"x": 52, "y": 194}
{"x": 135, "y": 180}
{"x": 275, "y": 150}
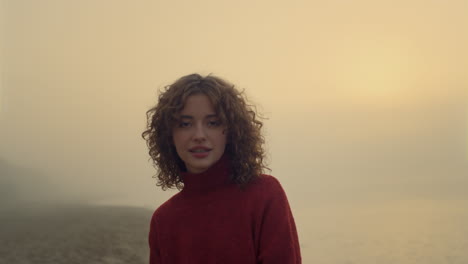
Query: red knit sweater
{"x": 214, "y": 221}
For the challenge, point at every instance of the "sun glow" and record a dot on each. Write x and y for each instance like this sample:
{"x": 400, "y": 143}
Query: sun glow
{"x": 376, "y": 71}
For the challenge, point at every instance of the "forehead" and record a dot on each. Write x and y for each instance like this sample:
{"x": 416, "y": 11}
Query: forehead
{"x": 197, "y": 105}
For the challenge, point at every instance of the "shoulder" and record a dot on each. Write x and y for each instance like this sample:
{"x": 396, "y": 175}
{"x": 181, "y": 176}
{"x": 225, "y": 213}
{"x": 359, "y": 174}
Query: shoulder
{"x": 266, "y": 187}
{"x": 167, "y": 207}
{"x": 266, "y": 183}
{"x": 267, "y": 196}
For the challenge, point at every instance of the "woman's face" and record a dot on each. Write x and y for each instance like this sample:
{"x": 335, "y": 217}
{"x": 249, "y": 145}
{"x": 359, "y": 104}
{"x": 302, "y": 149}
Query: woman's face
{"x": 199, "y": 137}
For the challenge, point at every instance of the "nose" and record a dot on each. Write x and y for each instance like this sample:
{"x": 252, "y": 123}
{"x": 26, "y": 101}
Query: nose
{"x": 199, "y": 133}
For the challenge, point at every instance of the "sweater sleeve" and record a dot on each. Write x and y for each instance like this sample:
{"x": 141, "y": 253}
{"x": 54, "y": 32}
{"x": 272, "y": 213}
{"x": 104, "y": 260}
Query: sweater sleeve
{"x": 278, "y": 241}
{"x": 154, "y": 256}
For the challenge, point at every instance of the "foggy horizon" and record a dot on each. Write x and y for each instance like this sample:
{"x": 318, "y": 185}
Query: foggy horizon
{"x": 357, "y": 103}
{"x": 366, "y": 106}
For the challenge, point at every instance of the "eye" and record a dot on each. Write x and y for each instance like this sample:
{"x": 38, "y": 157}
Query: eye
{"x": 184, "y": 124}
{"x": 214, "y": 123}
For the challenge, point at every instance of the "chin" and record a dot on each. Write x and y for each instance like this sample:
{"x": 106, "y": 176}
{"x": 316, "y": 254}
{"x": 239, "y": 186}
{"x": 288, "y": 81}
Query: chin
{"x": 200, "y": 167}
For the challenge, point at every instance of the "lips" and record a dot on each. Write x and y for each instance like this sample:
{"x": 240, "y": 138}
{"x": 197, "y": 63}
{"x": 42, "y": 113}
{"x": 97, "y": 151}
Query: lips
{"x": 199, "y": 149}
{"x": 200, "y": 152}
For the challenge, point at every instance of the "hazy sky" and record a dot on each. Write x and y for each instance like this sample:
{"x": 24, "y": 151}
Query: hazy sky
{"x": 365, "y": 100}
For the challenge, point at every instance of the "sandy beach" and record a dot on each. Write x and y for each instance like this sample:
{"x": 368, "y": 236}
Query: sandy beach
{"x": 74, "y": 234}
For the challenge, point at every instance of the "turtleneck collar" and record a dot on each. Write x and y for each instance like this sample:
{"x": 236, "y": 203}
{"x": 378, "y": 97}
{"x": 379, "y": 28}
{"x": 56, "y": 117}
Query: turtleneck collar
{"x": 211, "y": 179}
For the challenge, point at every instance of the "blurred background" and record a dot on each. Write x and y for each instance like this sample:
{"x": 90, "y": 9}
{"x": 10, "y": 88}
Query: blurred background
{"x": 366, "y": 107}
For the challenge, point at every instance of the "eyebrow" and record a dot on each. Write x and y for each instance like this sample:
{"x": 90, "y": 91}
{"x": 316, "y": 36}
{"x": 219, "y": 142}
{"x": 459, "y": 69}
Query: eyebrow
{"x": 191, "y": 117}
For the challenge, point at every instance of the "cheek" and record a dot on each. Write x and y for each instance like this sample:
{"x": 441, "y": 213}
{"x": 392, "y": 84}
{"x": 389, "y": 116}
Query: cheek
{"x": 224, "y": 137}
{"x": 177, "y": 139}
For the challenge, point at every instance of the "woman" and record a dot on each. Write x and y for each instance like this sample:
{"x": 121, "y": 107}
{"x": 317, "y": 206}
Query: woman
{"x": 206, "y": 141}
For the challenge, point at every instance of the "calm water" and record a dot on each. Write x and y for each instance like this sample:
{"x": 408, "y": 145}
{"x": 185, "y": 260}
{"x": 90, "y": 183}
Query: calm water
{"x": 406, "y": 232}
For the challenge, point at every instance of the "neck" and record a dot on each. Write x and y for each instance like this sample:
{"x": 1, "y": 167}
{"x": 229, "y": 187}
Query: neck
{"x": 213, "y": 178}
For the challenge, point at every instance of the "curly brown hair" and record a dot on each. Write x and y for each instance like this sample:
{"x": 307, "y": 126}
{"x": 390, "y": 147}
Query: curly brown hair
{"x": 244, "y": 138}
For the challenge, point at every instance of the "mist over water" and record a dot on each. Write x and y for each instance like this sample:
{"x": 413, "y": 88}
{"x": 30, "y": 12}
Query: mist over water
{"x": 22, "y": 186}
{"x": 29, "y": 188}
{"x": 411, "y": 231}
{"x": 366, "y": 105}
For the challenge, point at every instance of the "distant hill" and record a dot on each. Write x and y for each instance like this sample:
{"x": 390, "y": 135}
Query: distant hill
{"x": 21, "y": 186}
{"x": 8, "y": 189}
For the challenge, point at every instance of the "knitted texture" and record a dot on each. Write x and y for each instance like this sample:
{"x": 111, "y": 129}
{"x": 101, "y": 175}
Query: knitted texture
{"x": 213, "y": 221}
